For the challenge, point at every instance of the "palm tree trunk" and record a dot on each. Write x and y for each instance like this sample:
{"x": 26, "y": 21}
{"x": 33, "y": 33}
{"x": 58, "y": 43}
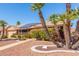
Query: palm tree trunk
{"x": 43, "y": 23}
{"x": 67, "y": 32}
{"x": 6, "y": 33}
{"x": 67, "y": 36}
{"x": 57, "y": 32}
{"x": 59, "y": 39}
{"x": 3, "y": 32}
{"x": 77, "y": 27}
{"x": 45, "y": 28}
{"x": 18, "y": 35}
{"x": 76, "y": 34}
{"x": 75, "y": 45}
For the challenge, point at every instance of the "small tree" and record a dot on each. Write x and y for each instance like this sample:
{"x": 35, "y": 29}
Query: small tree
{"x": 3, "y": 24}
{"x": 17, "y": 24}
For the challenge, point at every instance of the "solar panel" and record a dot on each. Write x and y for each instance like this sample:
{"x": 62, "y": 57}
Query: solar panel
{"x": 29, "y": 25}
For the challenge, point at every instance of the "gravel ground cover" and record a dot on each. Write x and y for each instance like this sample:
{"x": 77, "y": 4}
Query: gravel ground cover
{"x": 25, "y": 50}
{"x": 5, "y": 42}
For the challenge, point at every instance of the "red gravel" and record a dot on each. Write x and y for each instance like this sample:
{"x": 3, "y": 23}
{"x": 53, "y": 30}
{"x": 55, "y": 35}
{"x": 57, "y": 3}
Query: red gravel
{"x": 5, "y": 42}
{"x": 25, "y": 50}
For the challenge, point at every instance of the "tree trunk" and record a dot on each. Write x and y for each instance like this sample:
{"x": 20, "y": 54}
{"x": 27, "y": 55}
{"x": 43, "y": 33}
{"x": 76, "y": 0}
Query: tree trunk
{"x": 6, "y": 33}
{"x": 45, "y": 28}
{"x": 3, "y": 33}
{"x": 61, "y": 32}
{"x": 18, "y": 35}
{"x": 67, "y": 36}
{"x": 77, "y": 27}
{"x": 57, "y": 31}
{"x": 75, "y": 45}
{"x": 43, "y": 23}
{"x": 77, "y": 35}
{"x": 67, "y": 32}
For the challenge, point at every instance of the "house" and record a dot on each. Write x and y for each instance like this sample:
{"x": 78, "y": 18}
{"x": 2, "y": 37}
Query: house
{"x": 11, "y": 29}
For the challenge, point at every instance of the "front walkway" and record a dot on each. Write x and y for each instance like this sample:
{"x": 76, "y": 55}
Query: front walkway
{"x": 13, "y": 44}
{"x": 24, "y": 49}
{"x": 5, "y": 42}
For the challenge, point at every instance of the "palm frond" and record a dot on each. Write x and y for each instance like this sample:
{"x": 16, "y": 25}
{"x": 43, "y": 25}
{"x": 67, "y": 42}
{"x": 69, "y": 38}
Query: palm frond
{"x": 37, "y": 6}
{"x": 3, "y": 23}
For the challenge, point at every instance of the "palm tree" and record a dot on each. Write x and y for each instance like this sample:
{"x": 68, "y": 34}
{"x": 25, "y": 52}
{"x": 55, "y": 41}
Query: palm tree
{"x": 77, "y": 14}
{"x": 76, "y": 11}
{"x": 3, "y": 24}
{"x": 17, "y": 24}
{"x": 38, "y": 6}
{"x": 66, "y": 18}
{"x": 54, "y": 19}
{"x": 67, "y": 26}
{"x": 71, "y": 14}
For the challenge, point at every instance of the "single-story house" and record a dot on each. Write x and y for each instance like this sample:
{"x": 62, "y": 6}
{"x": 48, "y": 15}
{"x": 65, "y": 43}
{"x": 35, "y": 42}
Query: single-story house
{"x": 11, "y": 29}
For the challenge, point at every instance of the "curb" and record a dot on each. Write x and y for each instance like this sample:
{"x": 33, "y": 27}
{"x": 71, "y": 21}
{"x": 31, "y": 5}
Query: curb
{"x": 39, "y": 51}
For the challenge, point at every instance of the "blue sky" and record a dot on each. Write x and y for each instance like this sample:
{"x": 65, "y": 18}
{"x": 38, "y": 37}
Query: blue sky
{"x": 22, "y": 12}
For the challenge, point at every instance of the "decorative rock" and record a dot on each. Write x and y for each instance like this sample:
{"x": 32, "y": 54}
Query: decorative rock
{"x": 44, "y": 47}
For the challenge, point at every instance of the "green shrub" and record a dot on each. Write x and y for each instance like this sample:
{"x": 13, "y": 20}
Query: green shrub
{"x": 5, "y": 36}
{"x": 39, "y": 34}
{"x": 35, "y": 34}
{"x": 13, "y": 36}
{"x": 42, "y": 35}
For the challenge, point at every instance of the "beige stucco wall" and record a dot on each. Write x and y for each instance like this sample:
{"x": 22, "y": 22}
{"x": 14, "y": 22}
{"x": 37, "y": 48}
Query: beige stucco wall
{"x": 10, "y": 33}
{"x": 11, "y": 30}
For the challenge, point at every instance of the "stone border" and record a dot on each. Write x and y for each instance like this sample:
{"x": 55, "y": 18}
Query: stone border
{"x": 39, "y": 51}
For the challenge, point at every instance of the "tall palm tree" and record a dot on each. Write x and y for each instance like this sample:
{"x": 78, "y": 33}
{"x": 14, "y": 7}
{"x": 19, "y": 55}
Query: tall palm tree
{"x": 3, "y": 24}
{"x": 76, "y": 11}
{"x": 66, "y": 18}
{"x": 77, "y": 14}
{"x": 38, "y": 6}
{"x": 70, "y": 16}
{"x": 17, "y": 24}
{"x": 67, "y": 26}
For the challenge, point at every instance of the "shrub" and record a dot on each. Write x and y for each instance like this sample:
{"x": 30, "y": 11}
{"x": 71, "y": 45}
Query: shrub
{"x": 35, "y": 34}
{"x": 40, "y": 33}
{"x": 5, "y": 36}
{"x": 17, "y": 36}
{"x": 13, "y": 36}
